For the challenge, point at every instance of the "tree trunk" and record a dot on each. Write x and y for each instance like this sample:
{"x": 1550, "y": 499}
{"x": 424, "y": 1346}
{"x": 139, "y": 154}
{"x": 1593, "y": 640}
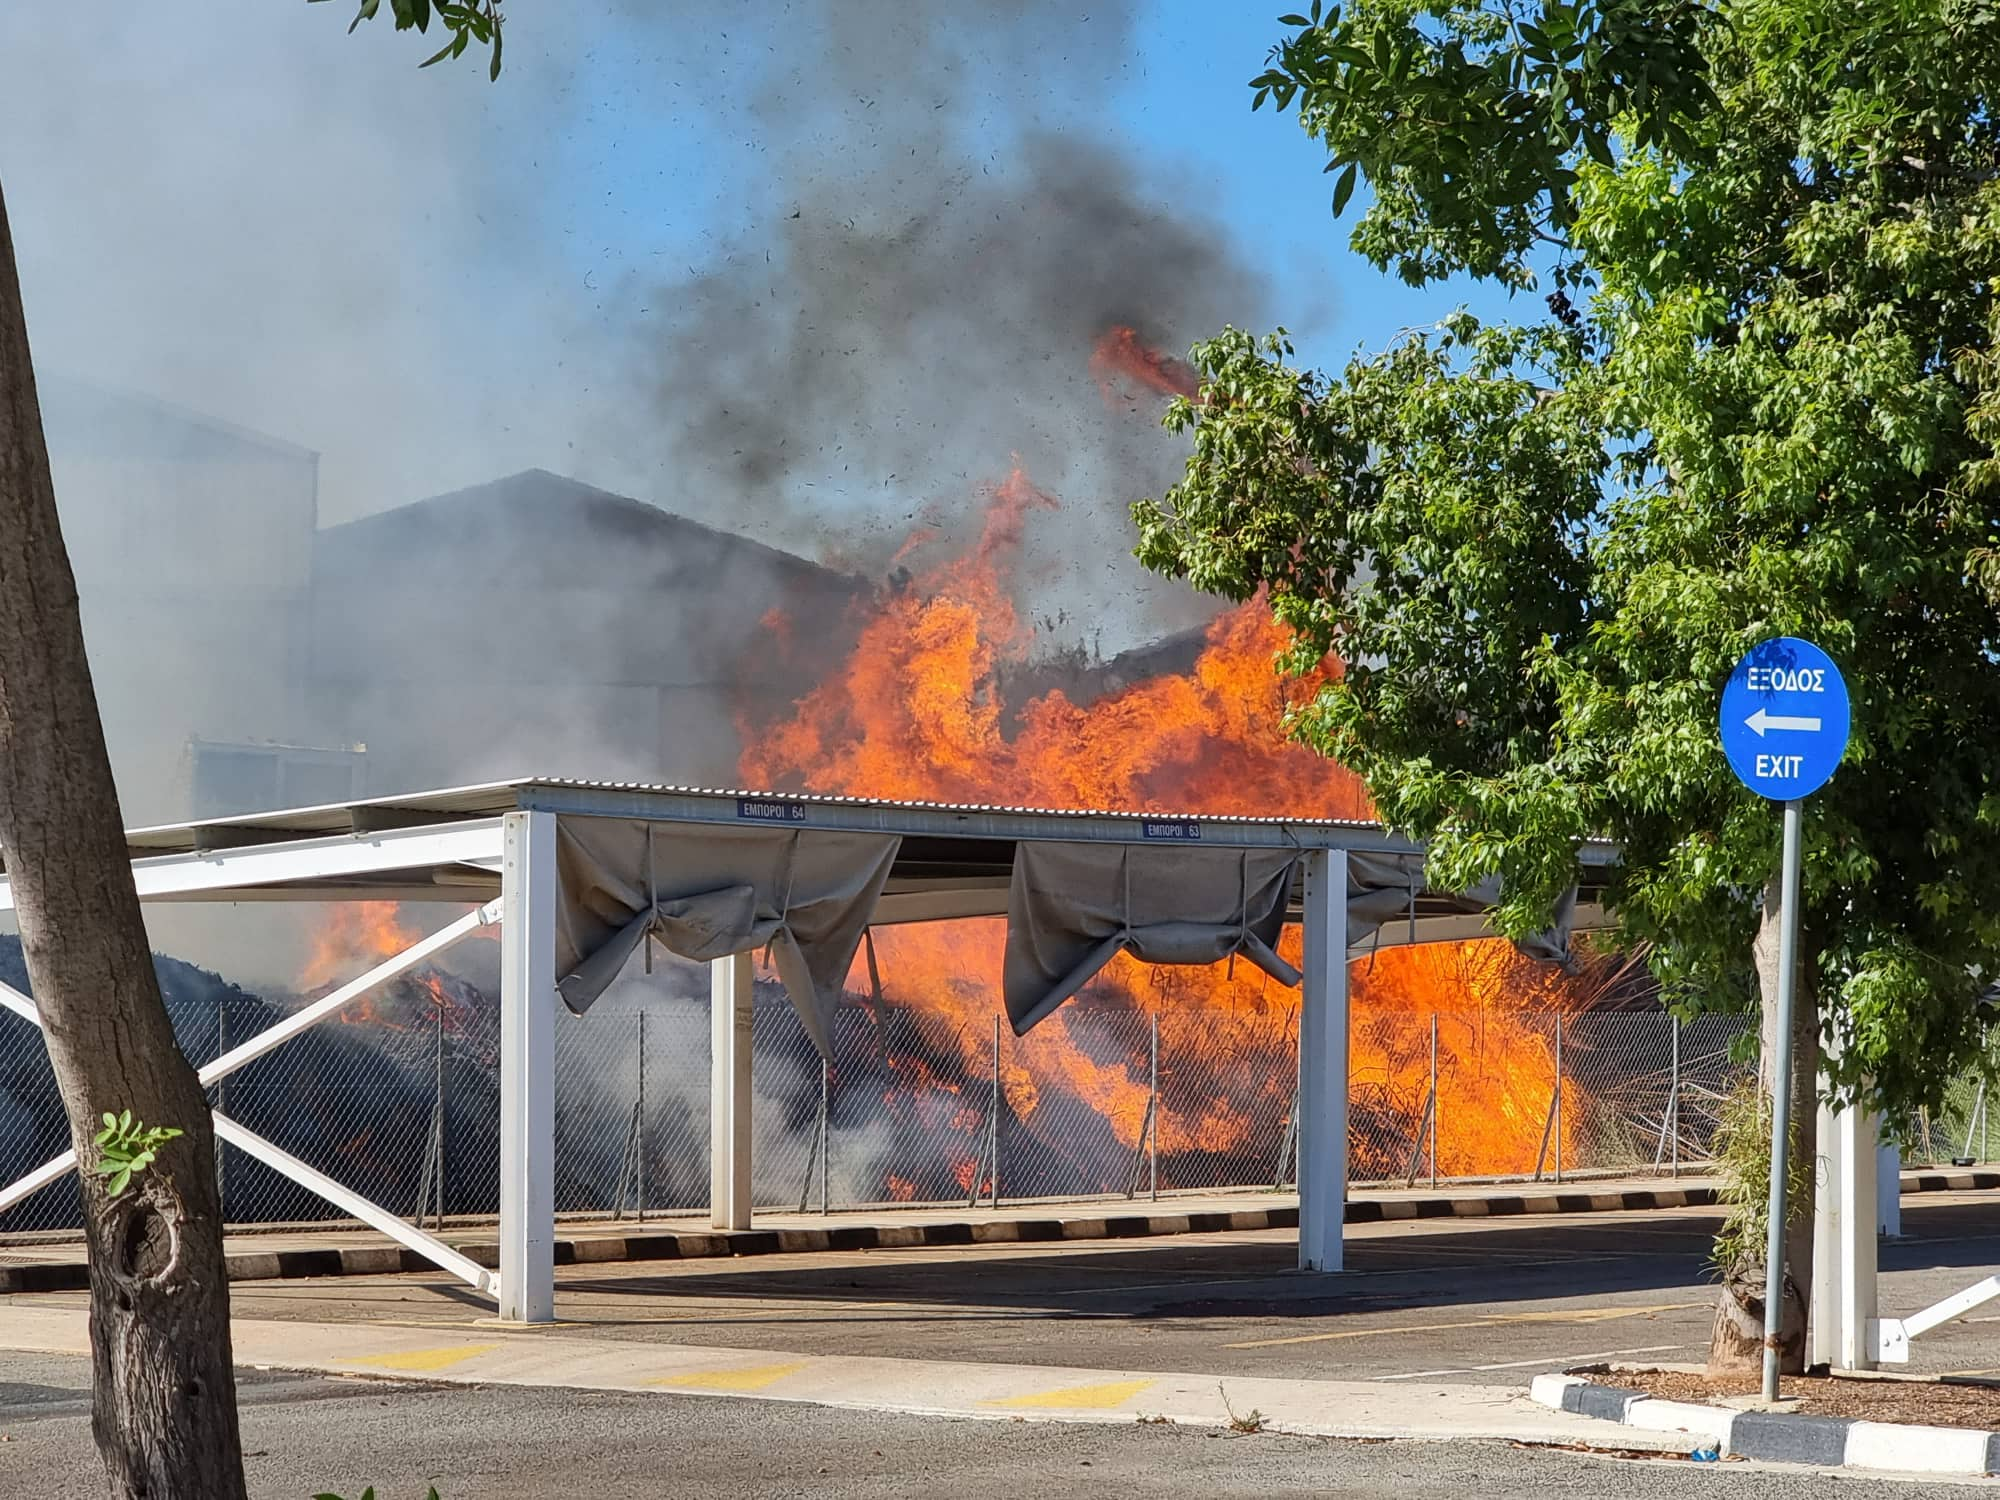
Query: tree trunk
{"x": 1736, "y": 1347}
{"x": 164, "y": 1396}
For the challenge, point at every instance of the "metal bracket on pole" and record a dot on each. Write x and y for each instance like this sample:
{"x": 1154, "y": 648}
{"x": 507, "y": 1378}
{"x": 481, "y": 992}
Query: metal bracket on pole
{"x": 1891, "y": 1336}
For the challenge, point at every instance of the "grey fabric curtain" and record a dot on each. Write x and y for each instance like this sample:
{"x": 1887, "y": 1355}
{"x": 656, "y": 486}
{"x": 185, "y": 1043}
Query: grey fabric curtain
{"x": 1384, "y": 887}
{"x": 1073, "y": 907}
{"x": 1380, "y": 889}
{"x": 706, "y": 892}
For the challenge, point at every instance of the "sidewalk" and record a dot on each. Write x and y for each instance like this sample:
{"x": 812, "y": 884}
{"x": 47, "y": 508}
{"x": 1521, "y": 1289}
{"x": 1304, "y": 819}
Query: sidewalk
{"x": 502, "y": 1355}
{"x": 335, "y": 1250}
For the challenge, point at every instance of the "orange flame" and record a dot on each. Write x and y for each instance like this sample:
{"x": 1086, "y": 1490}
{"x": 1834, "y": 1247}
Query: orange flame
{"x": 356, "y": 931}
{"x": 357, "y": 936}
{"x": 916, "y": 713}
{"x": 1120, "y": 356}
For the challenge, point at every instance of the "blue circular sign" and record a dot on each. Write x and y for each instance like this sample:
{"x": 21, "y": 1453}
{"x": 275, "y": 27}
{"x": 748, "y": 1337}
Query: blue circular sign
{"x": 1784, "y": 719}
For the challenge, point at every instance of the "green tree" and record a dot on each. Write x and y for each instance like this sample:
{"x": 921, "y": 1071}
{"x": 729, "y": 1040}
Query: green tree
{"x": 163, "y": 1388}
{"x": 1758, "y": 395}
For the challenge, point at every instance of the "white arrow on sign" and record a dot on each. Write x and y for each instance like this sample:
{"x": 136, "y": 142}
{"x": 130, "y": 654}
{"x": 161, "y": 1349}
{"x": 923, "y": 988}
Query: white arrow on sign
{"x": 1761, "y": 721}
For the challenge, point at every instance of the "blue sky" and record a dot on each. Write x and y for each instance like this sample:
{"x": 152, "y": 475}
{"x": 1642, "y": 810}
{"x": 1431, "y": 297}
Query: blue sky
{"x": 1188, "y": 96}
{"x": 1178, "y": 97}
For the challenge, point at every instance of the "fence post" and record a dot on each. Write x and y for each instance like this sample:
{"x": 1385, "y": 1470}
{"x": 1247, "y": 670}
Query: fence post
{"x": 221, "y": 1103}
{"x": 1674, "y": 1103}
{"x": 825, "y": 1158}
{"x": 1559, "y": 1096}
{"x": 993, "y": 1123}
{"x": 1285, "y": 1147}
{"x": 1434, "y": 1099}
{"x": 439, "y": 1103}
{"x": 639, "y": 1172}
{"x": 1154, "y": 1111}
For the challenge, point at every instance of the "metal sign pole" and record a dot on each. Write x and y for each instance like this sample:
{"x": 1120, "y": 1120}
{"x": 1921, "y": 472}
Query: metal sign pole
{"x": 1785, "y": 717}
{"x": 1781, "y": 1101}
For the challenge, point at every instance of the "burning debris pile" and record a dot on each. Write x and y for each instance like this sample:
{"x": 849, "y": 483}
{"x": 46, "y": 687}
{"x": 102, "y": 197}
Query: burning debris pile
{"x": 356, "y": 1100}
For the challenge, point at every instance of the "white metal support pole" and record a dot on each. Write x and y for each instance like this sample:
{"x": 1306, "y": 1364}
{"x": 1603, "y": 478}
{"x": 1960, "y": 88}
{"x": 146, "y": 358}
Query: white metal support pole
{"x": 1844, "y": 1207}
{"x": 1322, "y": 1108}
{"x": 729, "y": 1011}
{"x": 527, "y": 1068}
{"x": 1823, "y": 1330}
{"x": 1889, "y": 1190}
{"x": 1855, "y": 1230}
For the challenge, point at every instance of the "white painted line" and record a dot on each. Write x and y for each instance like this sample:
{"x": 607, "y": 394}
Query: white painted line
{"x": 1547, "y": 1359}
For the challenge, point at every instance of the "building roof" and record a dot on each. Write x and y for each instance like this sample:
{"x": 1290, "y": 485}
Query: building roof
{"x": 543, "y": 516}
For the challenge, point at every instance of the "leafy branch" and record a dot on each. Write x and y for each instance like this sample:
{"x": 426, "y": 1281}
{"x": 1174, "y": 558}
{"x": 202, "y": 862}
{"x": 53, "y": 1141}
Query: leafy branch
{"x": 126, "y": 1147}
{"x": 464, "y": 23}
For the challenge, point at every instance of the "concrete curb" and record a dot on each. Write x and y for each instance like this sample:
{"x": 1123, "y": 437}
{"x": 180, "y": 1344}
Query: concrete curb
{"x": 644, "y": 1245}
{"x": 1777, "y": 1437}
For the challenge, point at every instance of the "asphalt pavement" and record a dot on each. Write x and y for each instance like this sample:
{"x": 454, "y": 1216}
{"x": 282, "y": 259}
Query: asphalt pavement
{"x": 1475, "y": 1301}
{"x": 984, "y": 1370}
{"x": 310, "y": 1434}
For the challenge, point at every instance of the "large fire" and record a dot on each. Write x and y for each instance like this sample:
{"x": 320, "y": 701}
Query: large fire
{"x": 917, "y": 712}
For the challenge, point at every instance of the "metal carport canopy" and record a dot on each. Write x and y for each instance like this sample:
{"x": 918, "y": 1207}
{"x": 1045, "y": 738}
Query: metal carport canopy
{"x": 493, "y": 846}
{"x": 955, "y": 859}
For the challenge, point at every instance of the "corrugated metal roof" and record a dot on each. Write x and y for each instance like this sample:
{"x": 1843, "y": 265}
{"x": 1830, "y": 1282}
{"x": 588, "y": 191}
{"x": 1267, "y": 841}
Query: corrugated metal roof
{"x": 954, "y": 858}
{"x": 669, "y": 802}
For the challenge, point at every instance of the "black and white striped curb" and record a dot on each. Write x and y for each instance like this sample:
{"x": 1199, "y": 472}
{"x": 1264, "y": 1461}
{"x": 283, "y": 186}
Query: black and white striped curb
{"x": 673, "y": 1244}
{"x": 1780, "y": 1437}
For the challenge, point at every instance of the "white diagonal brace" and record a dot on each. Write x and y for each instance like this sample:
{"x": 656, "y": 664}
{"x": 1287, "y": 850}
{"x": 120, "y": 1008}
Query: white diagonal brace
{"x": 53, "y": 1170}
{"x": 1957, "y": 1305}
{"x": 347, "y": 994}
{"x": 432, "y": 1249}
{"x": 272, "y": 1036}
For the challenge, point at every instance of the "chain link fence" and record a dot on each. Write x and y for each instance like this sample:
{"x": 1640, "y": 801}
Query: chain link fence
{"x": 400, "y": 1101}
{"x": 1959, "y": 1130}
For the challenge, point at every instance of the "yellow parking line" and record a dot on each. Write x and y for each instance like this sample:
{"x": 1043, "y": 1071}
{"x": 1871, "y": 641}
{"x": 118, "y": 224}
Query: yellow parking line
{"x": 1498, "y": 1320}
{"x": 1078, "y": 1397}
{"x": 421, "y": 1360}
{"x": 755, "y": 1378}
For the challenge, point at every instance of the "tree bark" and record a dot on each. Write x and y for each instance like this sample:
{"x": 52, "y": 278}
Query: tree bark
{"x": 1736, "y": 1347}
{"x": 164, "y": 1393}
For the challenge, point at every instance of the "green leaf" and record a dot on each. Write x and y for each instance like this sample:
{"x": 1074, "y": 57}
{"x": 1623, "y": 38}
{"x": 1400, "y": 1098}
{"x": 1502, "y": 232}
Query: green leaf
{"x": 1343, "y": 189}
